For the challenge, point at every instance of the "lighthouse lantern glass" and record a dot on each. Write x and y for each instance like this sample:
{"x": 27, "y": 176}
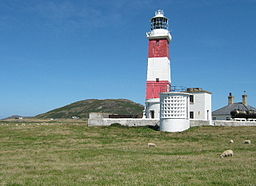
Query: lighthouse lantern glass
{"x": 159, "y": 23}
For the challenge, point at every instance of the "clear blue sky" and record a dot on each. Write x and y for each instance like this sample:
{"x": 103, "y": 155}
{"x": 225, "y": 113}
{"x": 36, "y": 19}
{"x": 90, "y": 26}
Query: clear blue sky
{"x": 55, "y": 52}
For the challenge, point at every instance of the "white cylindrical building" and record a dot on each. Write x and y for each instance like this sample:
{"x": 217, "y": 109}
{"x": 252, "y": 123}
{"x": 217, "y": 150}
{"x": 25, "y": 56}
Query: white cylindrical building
{"x": 174, "y": 111}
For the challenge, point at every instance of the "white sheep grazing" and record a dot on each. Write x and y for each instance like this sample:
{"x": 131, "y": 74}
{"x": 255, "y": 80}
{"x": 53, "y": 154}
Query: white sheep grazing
{"x": 231, "y": 141}
{"x": 151, "y": 145}
{"x": 247, "y": 141}
{"x": 227, "y": 153}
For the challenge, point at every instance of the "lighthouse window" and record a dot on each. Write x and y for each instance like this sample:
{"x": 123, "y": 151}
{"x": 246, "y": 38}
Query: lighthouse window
{"x": 191, "y": 98}
{"x": 157, "y": 79}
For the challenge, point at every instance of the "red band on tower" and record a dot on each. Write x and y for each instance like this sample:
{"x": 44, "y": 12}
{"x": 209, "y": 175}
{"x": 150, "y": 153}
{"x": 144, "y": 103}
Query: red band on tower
{"x": 158, "y": 48}
{"x": 154, "y": 88}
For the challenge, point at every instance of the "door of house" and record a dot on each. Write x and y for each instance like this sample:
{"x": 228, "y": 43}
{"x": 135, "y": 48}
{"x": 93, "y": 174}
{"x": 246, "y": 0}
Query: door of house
{"x": 152, "y": 114}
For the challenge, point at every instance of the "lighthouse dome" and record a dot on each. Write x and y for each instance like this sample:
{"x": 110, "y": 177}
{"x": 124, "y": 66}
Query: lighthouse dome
{"x": 159, "y": 21}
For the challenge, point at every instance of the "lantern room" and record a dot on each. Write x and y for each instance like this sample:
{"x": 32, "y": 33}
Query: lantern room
{"x": 159, "y": 21}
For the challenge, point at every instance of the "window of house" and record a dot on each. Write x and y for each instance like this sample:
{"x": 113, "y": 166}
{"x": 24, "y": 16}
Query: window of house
{"x": 191, "y": 98}
{"x": 191, "y": 115}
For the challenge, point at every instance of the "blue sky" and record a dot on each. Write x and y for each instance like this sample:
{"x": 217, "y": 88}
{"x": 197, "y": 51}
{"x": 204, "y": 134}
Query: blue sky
{"x": 55, "y": 52}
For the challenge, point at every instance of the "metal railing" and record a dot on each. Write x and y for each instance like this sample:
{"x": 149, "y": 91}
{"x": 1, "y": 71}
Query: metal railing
{"x": 178, "y": 88}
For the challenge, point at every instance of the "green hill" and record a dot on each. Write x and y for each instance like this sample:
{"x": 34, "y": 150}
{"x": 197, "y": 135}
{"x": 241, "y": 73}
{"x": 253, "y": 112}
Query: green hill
{"x": 82, "y": 109}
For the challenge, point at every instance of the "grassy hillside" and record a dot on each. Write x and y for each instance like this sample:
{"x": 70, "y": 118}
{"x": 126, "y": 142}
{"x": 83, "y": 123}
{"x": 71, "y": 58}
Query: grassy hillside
{"x": 62, "y": 153}
{"x": 83, "y": 108}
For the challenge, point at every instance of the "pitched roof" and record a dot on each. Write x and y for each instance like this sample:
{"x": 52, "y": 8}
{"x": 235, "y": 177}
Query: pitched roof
{"x": 227, "y": 109}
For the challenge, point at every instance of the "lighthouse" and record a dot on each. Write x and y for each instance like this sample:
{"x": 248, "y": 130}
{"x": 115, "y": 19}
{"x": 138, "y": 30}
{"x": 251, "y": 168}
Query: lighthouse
{"x": 158, "y": 70}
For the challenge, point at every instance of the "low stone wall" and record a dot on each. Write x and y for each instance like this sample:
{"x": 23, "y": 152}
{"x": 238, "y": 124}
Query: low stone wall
{"x": 196, "y": 123}
{"x": 152, "y": 122}
{"x": 101, "y": 119}
{"x": 137, "y": 122}
{"x": 98, "y": 115}
{"x": 233, "y": 123}
{"x": 130, "y": 122}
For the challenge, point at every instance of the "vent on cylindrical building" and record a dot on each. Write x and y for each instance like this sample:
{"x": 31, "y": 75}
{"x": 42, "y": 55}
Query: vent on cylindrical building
{"x": 174, "y": 111}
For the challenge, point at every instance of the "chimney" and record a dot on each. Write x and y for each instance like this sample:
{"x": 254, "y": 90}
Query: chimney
{"x": 244, "y": 96}
{"x": 230, "y": 99}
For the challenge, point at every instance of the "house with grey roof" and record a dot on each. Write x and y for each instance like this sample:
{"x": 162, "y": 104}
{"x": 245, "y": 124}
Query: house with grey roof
{"x": 224, "y": 112}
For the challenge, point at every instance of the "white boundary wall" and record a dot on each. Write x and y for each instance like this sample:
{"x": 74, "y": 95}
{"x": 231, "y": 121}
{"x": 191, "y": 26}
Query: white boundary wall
{"x": 98, "y": 119}
{"x": 233, "y": 123}
{"x": 196, "y": 123}
{"x": 130, "y": 122}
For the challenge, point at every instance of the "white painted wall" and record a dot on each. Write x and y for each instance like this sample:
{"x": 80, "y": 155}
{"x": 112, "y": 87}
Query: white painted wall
{"x": 98, "y": 119}
{"x": 130, "y": 122}
{"x": 159, "y": 34}
{"x": 202, "y": 103}
{"x": 233, "y": 123}
{"x": 174, "y": 111}
{"x": 159, "y": 68}
{"x": 153, "y": 105}
{"x": 202, "y": 106}
{"x": 221, "y": 117}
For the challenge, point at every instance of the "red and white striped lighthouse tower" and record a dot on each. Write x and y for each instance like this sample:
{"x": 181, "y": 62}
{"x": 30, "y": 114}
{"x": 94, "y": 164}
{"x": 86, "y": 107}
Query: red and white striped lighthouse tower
{"x": 158, "y": 72}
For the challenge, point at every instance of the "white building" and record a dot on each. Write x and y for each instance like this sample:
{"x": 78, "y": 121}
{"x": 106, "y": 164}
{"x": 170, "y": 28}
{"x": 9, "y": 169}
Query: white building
{"x": 200, "y": 104}
{"x": 174, "y": 111}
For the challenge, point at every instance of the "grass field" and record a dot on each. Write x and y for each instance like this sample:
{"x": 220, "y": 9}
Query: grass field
{"x": 70, "y": 153}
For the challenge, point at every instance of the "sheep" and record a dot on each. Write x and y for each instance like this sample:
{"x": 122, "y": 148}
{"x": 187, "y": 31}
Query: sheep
{"x": 227, "y": 153}
{"x": 151, "y": 145}
{"x": 231, "y": 141}
{"x": 247, "y": 141}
